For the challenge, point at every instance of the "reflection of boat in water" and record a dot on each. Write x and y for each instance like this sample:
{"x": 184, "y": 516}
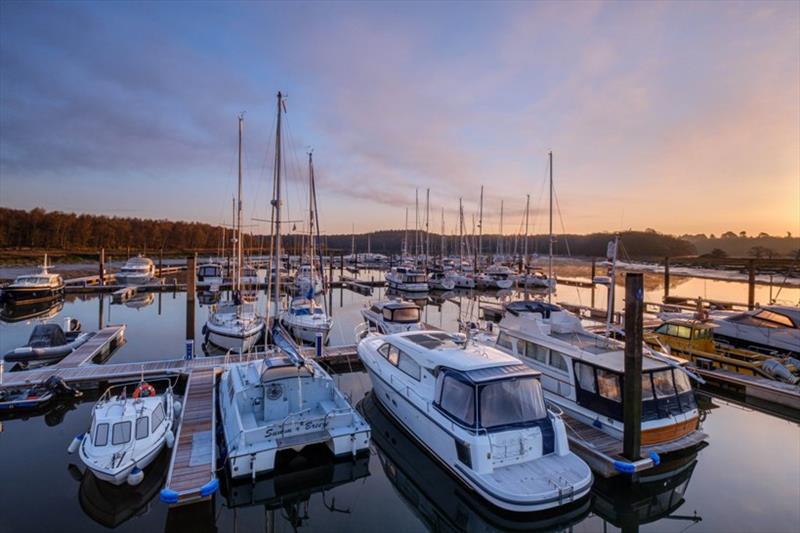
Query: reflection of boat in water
{"x": 42, "y": 310}
{"x": 52, "y": 412}
{"x": 300, "y": 477}
{"x": 208, "y": 297}
{"x": 440, "y": 500}
{"x": 658, "y": 493}
{"x": 109, "y": 505}
{"x": 142, "y": 299}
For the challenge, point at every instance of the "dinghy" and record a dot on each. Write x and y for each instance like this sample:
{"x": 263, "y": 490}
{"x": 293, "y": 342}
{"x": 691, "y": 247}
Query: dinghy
{"x": 49, "y": 343}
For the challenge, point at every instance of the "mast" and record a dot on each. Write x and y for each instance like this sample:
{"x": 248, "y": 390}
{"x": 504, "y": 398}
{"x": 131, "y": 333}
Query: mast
{"x": 427, "y": 226}
{"x": 276, "y": 204}
{"x": 442, "y": 236}
{"x": 480, "y": 230}
{"x": 311, "y": 214}
{"x": 460, "y": 235}
{"x": 416, "y": 226}
{"x": 525, "y": 244}
{"x": 353, "y": 242}
{"x": 500, "y": 239}
{"x": 238, "y": 282}
{"x": 405, "y": 238}
{"x": 550, "y": 254}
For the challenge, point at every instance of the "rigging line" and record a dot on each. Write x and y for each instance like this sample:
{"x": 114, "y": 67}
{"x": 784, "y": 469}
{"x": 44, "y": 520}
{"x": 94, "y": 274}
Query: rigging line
{"x": 561, "y": 218}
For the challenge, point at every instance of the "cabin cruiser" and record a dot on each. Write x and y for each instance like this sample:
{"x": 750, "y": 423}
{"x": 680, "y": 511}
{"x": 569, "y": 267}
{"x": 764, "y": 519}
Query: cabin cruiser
{"x": 582, "y": 374}
{"x": 127, "y": 434}
{"x": 307, "y": 281}
{"x": 536, "y": 279}
{"x": 233, "y": 325}
{"x": 31, "y": 288}
{"x": 438, "y": 281}
{"x": 284, "y": 402}
{"x": 772, "y": 329}
{"x": 481, "y": 414}
{"x": 461, "y": 279}
{"x": 136, "y": 270}
{"x": 495, "y": 276}
{"x": 210, "y": 274}
{"x": 49, "y": 343}
{"x": 407, "y": 279}
{"x": 305, "y": 320}
{"x": 393, "y": 316}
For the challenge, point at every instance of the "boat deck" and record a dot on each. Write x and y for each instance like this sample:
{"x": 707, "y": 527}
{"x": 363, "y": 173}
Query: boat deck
{"x": 191, "y": 475}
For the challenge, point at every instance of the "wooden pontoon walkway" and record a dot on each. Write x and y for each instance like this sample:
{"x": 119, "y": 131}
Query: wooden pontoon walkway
{"x": 192, "y": 470}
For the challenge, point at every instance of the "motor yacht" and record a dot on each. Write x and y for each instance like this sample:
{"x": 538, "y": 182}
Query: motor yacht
{"x": 306, "y": 320}
{"x": 136, "y": 271}
{"x": 407, "y": 279}
{"x": 32, "y": 288}
{"x": 393, "y": 316}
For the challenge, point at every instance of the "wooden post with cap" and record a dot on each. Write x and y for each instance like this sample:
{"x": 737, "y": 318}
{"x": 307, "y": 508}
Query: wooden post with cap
{"x": 632, "y": 388}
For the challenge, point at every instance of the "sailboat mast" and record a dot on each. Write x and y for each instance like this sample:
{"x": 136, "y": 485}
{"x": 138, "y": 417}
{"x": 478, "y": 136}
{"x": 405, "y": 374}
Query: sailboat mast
{"x": 239, "y": 212}
{"x": 480, "y": 229}
{"x": 550, "y": 254}
{"x": 460, "y": 235}
{"x": 427, "y": 226}
{"x": 310, "y": 212}
{"x": 416, "y": 226}
{"x": 405, "y": 237}
{"x": 276, "y": 202}
{"x": 525, "y": 244}
{"x": 500, "y": 249}
{"x": 442, "y": 235}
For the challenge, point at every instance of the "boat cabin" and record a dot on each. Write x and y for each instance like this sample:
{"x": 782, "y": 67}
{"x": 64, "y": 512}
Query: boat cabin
{"x": 410, "y": 275}
{"x": 684, "y": 333}
{"x": 209, "y": 271}
{"x": 769, "y": 317}
{"x": 117, "y": 424}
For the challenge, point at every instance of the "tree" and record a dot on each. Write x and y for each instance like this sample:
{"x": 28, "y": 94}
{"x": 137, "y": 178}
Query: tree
{"x": 743, "y": 234}
{"x": 717, "y": 253}
{"x": 763, "y": 235}
{"x": 729, "y": 235}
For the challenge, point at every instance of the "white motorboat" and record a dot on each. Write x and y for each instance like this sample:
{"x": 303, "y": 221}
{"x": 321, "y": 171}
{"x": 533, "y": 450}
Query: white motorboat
{"x": 407, "y": 279}
{"x": 136, "y": 271}
{"x": 127, "y": 433}
{"x": 481, "y": 414}
{"x": 284, "y": 402}
{"x": 233, "y": 325}
{"x": 495, "y": 276}
{"x": 307, "y": 281}
{"x": 393, "y": 316}
{"x": 582, "y": 374}
{"x": 535, "y": 279}
{"x": 211, "y": 274}
{"x": 461, "y": 280}
{"x": 306, "y": 320}
{"x": 32, "y": 288}
{"x": 439, "y": 281}
{"x": 772, "y": 329}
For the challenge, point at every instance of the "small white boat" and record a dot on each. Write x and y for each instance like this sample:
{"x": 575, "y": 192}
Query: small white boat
{"x": 136, "y": 271}
{"x": 495, "y": 276}
{"x": 461, "y": 280}
{"x": 393, "y": 316}
{"x": 536, "y": 279}
{"x": 284, "y": 402}
{"x": 305, "y": 320}
{"x": 32, "y": 288}
{"x": 481, "y": 414}
{"x": 233, "y": 325}
{"x": 439, "y": 281}
{"x": 772, "y": 329}
{"x": 210, "y": 274}
{"x": 307, "y": 282}
{"x": 127, "y": 433}
{"x": 407, "y": 279}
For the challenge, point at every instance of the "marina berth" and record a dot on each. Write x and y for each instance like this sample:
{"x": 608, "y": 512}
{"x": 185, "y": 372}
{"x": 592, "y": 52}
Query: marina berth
{"x": 481, "y": 414}
{"x": 495, "y": 276}
{"x": 127, "y": 432}
{"x": 136, "y": 271}
{"x": 582, "y": 374}
{"x": 42, "y": 286}
{"x": 393, "y": 316}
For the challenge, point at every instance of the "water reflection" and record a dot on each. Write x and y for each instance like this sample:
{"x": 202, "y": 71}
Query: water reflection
{"x": 438, "y": 499}
{"x": 41, "y": 310}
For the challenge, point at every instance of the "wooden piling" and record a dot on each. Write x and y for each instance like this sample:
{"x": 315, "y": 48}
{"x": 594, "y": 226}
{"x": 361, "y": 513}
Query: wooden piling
{"x": 632, "y": 386}
{"x": 751, "y": 284}
{"x": 191, "y": 277}
{"x": 102, "y": 270}
{"x": 666, "y": 278}
{"x": 594, "y": 273}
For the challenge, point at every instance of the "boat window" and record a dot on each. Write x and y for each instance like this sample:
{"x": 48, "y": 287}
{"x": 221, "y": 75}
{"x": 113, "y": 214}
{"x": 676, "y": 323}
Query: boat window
{"x": 504, "y": 340}
{"x": 557, "y": 361}
{"x": 158, "y": 417}
{"x": 409, "y": 366}
{"x": 662, "y": 383}
{"x": 608, "y": 385}
{"x": 101, "y": 434}
{"x": 404, "y": 315}
{"x": 682, "y": 381}
{"x": 662, "y": 329}
{"x": 672, "y": 330}
{"x": 458, "y": 399}
{"x": 511, "y": 401}
{"x": 534, "y": 351}
{"x": 121, "y": 433}
{"x": 684, "y": 332}
{"x": 394, "y": 355}
{"x": 585, "y": 375}
{"x": 141, "y": 428}
{"x": 777, "y": 319}
{"x": 384, "y": 350}
{"x": 647, "y": 386}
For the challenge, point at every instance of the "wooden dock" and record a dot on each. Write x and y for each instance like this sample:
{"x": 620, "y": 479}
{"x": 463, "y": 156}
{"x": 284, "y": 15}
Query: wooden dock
{"x": 192, "y": 470}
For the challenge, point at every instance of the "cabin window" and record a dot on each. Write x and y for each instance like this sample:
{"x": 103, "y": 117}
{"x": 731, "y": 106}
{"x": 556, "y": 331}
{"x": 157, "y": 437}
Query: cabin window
{"x": 608, "y": 385}
{"x": 504, "y": 340}
{"x": 682, "y": 381}
{"x": 121, "y": 433}
{"x": 684, "y": 332}
{"x": 458, "y": 400}
{"x": 158, "y": 417}
{"x": 557, "y": 361}
{"x": 534, "y": 351}
{"x": 585, "y": 374}
{"x": 647, "y": 387}
{"x": 662, "y": 383}
{"x": 384, "y": 350}
{"x": 406, "y": 315}
{"x": 101, "y": 434}
{"x": 511, "y": 401}
{"x": 409, "y": 366}
{"x": 775, "y": 318}
{"x": 142, "y": 428}
{"x": 394, "y": 355}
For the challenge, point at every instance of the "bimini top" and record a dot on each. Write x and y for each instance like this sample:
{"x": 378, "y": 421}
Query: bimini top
{"x": 440, "y": 349}
{"x": 532, "y": 306}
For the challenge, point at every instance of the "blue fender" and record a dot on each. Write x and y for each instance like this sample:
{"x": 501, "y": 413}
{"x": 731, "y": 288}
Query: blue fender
{"x": 168, "y": 496}
{"x": 209, "y": 488}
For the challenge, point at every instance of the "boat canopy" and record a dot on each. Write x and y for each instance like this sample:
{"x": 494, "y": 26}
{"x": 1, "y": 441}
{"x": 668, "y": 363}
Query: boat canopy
{"x": 46, "y": 335}
{"x": 532, "y": 306}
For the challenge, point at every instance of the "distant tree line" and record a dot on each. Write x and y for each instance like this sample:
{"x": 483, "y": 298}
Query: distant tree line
{"x": 733, "y": 244}
{"x": 55, "y": 230}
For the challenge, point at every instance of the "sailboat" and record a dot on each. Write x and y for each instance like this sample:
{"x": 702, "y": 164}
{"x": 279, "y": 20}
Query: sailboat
{"x": 305, "y": 319}
{"x": 234, "y": 324}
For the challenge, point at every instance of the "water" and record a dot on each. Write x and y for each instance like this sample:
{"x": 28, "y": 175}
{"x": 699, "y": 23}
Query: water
{"x": 746, "y": 479}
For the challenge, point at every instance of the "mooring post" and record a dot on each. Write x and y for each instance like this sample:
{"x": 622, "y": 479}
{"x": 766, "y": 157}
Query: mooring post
{"x": 632, "y": 391}
{"x": 102, "y": 266}
{"x": 594, "y": 273}
{"x": 330, "y": 274}
{"x": 751, "y": 284}
{"x": 666, "y": 278}
{"x": 190, "y": 294}
{"x": 161, "y": 262}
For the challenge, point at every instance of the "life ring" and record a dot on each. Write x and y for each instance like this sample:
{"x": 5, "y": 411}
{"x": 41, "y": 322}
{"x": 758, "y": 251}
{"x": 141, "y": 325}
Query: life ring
{"x": 144, "y": 390}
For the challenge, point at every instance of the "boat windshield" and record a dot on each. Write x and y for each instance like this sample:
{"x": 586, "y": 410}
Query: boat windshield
{"x": 33, "y": 280}
{"x": 511, "y": 402}
{"x": 405, "y": 315}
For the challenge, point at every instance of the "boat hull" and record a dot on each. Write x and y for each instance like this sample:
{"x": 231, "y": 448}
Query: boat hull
{"x": 26, "y": 295}
{"x": 119, "y": 477}
{"x": 227, "y": 340}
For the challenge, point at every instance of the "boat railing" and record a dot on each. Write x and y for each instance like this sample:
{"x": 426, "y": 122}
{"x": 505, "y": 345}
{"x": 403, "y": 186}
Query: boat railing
{"x": 292, "y": 415}
{"x": 362, "y": 330}
{"x": 337, "y": 411}
{"x": 106, "y": 396}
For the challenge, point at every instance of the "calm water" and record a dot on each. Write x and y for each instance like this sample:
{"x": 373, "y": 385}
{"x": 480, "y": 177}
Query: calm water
{"x": 746, "y": 479}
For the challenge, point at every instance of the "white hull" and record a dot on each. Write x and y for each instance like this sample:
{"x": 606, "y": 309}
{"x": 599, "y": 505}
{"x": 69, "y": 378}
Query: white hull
{"x": 119, "y": 477}
{"x": 134, "y": 279}
{"x": 307, "y": 334}
{"x": 408, "y": 287}
{"x": 229, "y": 341}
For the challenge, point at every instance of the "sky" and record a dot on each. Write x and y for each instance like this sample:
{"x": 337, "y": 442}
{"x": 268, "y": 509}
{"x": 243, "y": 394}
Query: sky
{"x": 683, "y": 117}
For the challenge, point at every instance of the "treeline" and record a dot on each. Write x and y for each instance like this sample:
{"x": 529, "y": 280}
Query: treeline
{"x": 742, "y": 245}
{"x": 55, "y": 230}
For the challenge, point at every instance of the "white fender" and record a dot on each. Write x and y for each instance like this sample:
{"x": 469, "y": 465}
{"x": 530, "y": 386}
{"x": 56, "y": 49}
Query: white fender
{"x": 135, "y": 477}
{"x": 75, "y": 444}
{"x": 170, "y": 439}
{"x": 176, "y": 407}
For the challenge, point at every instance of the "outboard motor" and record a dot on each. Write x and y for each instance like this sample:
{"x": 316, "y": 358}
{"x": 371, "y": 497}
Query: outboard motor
{"x": 71, "y": 324}
{"x": 774, "y": 368}
{"x": 60, "y": 387}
